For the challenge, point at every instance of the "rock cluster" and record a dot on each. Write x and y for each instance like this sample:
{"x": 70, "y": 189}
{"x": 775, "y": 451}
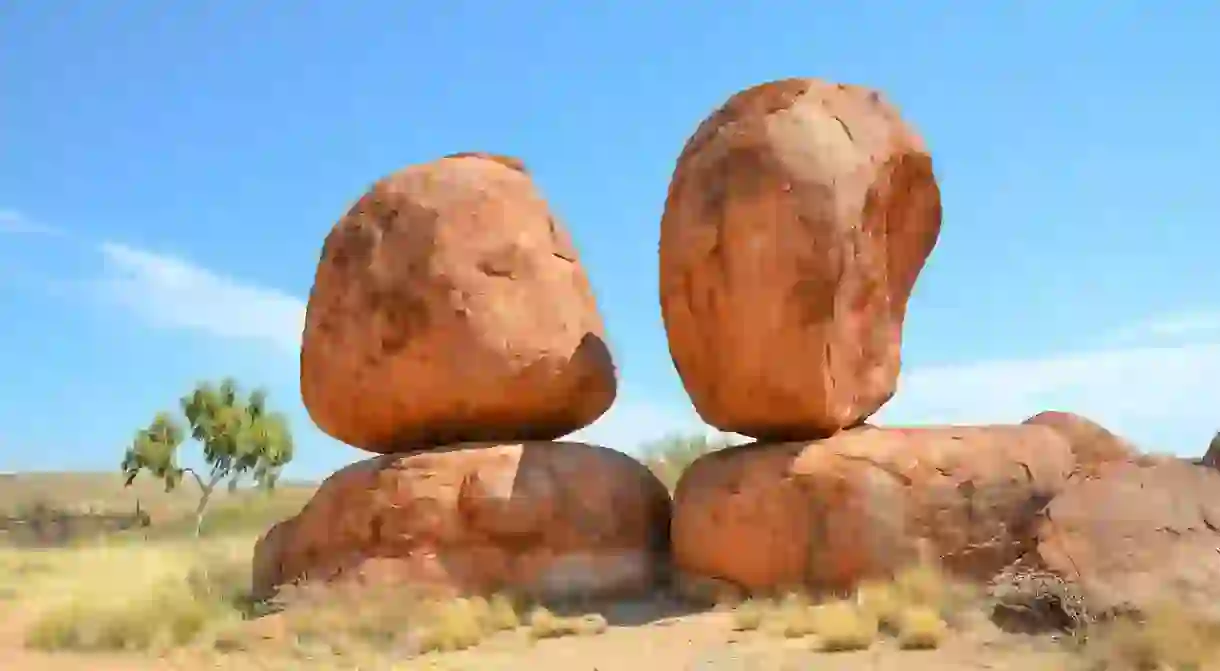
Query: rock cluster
{"x": 452, "y": 329}
{"x": 798, "y": 217}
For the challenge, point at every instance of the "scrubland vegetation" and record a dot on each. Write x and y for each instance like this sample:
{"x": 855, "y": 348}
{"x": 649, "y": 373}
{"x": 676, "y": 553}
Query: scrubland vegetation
{"x": 161, "y": 591}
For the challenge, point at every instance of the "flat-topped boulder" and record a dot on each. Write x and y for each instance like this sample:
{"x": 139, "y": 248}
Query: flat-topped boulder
{"x": 865, "y": 503}
{"x": 548, "y": 519}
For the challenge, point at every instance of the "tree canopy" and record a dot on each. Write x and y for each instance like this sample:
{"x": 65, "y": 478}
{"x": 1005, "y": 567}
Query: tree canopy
{"x": 240, "y": 438}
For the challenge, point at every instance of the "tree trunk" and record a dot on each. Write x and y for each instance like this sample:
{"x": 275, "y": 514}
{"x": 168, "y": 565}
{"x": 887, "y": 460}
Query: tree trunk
{"x": 200, "y": 510}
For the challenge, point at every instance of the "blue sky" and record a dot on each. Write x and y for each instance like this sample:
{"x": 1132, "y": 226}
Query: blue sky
{"x": 168, "y": 172}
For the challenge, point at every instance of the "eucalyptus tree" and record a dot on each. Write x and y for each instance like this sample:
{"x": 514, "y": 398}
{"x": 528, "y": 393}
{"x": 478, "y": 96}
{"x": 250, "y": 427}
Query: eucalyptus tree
{"x": 239, "y": 436}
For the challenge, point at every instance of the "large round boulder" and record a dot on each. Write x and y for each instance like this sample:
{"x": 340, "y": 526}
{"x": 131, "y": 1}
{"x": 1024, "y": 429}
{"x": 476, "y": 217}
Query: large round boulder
{"x": 1138, "y": 537}
{"x": 798, "y": 218}
{"x": 449, "y": 305}
{"x": 864, "y": 504}
{"x": 547, "y": 519}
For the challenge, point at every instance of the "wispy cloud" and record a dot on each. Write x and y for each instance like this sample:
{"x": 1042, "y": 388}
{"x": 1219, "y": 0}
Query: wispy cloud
{"x": 1176, "y": 325}
{"x": 13, "y": 222}
{"x": 1161, "y": 396}
{"x": 171, "y": 292}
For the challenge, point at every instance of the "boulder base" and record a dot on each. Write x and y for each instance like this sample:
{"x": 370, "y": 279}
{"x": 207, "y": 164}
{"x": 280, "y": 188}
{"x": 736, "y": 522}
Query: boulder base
{"x": 1138, "y": 536}
{"x": 865, "y": 503}
{"x": 548, "y": 519}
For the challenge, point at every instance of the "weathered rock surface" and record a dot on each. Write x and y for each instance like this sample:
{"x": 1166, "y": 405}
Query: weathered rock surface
{"x": 450, "y": 305}
{"x": 553, "y": 519}
{"x": 1093, "y": 445}
{"x": 1138, "y": 536}
{"x": 865, "y": 503}
{"x": 798, "y": 218}
{"x": 1211, "y": 458}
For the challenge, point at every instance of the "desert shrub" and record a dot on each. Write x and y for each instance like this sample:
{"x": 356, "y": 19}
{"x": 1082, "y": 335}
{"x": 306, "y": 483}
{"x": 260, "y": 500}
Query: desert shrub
{"x": 1032, "y": 600}
{"x": 669, "y": 457}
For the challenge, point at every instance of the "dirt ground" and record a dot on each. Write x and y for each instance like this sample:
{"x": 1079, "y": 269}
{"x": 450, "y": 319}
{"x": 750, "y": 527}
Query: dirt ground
{"x": 693, "y": 641}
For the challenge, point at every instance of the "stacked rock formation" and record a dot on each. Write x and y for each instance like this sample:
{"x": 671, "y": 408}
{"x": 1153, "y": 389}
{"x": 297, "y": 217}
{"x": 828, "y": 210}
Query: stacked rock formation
{"x": 452, "y": 329}
{"x": 797, "y": 221}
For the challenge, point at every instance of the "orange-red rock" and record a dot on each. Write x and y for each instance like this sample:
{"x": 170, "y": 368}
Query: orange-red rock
{"x": 1093, "y": 445}
{"x": 798, "y": 218}
{"x": 450, "y": 305}
{"x": 1138, "y": 536}
{"x": 864, "y": 503}
{"x": 554, "y": 519}
{"x": 1211, "y": 458}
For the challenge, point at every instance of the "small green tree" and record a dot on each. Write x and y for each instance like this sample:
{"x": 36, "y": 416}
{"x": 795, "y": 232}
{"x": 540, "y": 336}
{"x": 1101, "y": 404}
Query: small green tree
{"x": 240, "y": 438}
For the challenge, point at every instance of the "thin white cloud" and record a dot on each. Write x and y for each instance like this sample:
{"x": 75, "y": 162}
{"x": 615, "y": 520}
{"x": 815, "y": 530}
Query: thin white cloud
{"x": 14, "y": 223}
{"x": 1162, "y": 397}
{"x": 1178, "y": 325}
{"x": 171, "y": 292}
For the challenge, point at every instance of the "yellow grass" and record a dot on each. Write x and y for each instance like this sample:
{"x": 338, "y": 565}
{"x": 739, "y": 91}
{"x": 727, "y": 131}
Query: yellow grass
{"x": 842, "y": 626}
{"x": 157, "y": 596}
{"x": 128, "y": 595}
{"x": 920, "y": 628}
{"x": 916, "y": 607}
{"x": 104, "y": 492}
{"x": 545, "y": 624}
{"x": 1166, "y": 637}
{"x": 749, "y": 615}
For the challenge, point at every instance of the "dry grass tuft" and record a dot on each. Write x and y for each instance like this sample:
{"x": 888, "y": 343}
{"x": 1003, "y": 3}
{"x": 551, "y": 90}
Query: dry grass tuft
{"x": 145, "y": 596}
{"x": 921, "y": 628}
{"x": 545, "y": 624}
{"x": 1166, "y": 637}
{"x": 749, "y": 615}
{"x": 918, "y": 607}
{"x": 841, "y": 626}
{"x": 131, "y": 597}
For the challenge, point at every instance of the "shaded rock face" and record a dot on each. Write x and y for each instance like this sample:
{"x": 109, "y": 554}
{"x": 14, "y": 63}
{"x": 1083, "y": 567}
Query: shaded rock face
{"x": 1211, "y": 458}
{"x": 449, "y": 305}
{"x": 864, "y": 503}
{"x": 549, "y": 519}
{"x": 798, "y": 218}
{"x": 1093, "y": 445}
{"x": 1137, "y": 537}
